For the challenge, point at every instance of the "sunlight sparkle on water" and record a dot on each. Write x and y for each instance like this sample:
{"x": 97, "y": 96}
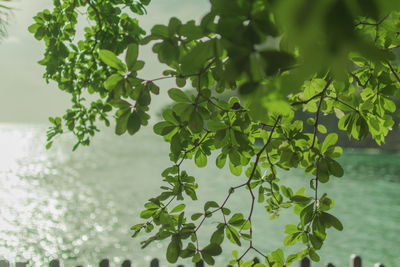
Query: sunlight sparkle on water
{"x": 79, "y": 206}
{"x": 21, "y": 199}
{"x": 47, "y": 211}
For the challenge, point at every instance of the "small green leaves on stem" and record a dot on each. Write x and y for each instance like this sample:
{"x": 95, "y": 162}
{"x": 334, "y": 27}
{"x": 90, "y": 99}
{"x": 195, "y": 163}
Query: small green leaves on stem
{"x": 109, "y": 58}
{"x": 341, "y": 63}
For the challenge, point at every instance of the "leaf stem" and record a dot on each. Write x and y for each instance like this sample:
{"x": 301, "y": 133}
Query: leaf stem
{"x": 392, "y": 70}
{"x": 322, "y": 95}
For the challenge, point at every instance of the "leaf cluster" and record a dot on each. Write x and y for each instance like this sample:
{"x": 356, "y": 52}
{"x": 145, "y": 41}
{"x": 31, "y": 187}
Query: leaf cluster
{"x": 279, "y": 58}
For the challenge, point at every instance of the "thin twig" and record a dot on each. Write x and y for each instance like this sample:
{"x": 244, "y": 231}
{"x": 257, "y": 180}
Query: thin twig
{"x": 274, "y": 175}
{"x": 305, "y": 101}
{"x": 372, "y": 24}
{"x": 316, "y": 183}
{"x": 100, "y": 25}
{"x": 344, "y": 103}
{"x": 258, "y": 156}
{"x": 392, "y": 70}
{"x": 359, "y": 82}
{"x": 322, "y": 95}
{"x": 193, "y": 148}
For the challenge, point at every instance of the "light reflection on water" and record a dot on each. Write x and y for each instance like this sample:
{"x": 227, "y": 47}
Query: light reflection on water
{"x": 79, "y": 206}
{"x": 44, "y": 208}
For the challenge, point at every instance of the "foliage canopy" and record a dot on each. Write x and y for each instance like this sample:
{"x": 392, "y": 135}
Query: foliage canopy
{"x": 281, "y": 57}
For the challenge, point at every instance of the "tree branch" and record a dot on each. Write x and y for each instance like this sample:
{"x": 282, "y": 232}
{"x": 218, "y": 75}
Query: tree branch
{"x": 344, "y": 103}
{"x": 394, "y": 73}
{"x": 358, "y": 80}
{"x": 322, "y": 95}
{"x": 99, "y": 22}
{"x": 305, "y": 101}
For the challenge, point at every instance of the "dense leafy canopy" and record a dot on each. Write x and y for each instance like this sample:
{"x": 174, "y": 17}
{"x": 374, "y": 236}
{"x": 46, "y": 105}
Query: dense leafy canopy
{"x": 281, "y": 57}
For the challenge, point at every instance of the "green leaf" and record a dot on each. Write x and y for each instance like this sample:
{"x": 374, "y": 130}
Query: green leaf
{"x": 48, "y": 145}
{"x": 278, "y": 257}
{"x": 218, "y": 236}
{"x": 112, "y": 60}
{"x": 133, "y": 124}
{"x": 316, "y": 241}
{"x": 196, "y": 216}
{"x": 322, "y": 129}
{"x": 291, "y": 228}
{"x": 144, "y": 98}
{"x": 196, "y": 122}
{"x": 214, "y": 126}
{"x": 388, "y": 90}
{"x": 286, "y": 191}
{"x": 291, "y": 258}
{"x": 208, "y": 258}
{"x": 137, "y": 226}
{"x": 334, "y": 152}
{"x": 210, "y": 204}
{"x": 248, "y": 87}
{"x": 195, "y": 60}
{"x": 169, "y": 116}
{"x": 178, "y": 95}
{"x": 174, "y": 25}
{"x": 178, "y": 208}
{"x": 237, "y": 220}
{"x": 176, "y": 145}
{"x": 180, "y": 82}
{"x": 226, "y": 211}
{"x": 235, "y": 254}
{"x": 313, "y": 255}
{"x": 221, "y": 160}
{"x": 307, "y": 213}
{"x": 246, "y": 236}
{"x": 163, "y": 128}
{"x": 235, "y": 170}
{"x": 173, "y": 250}
{"x": 335, "y": 168}
{"x": 138, "y": 65}
{"x": 276, "y": 60}
{"x": 33, "y": 28}
{"x": 113, "y": 81}
{"x": 291, "y": 239}
{"x": 152, "y": 87}
{"x": 196, "y": 257}
{"x": 323, "y": 170}
{"x": 329, "y": 141}
{"x": 147, "y": 214}
{"x": 232, "y": 235}
{"x": 189, "y": 251}
{"x": 234, "y": 157}
{"x": 310, "y": 121}
{"x": 389, "y": 105}
{"x": 200, "y": 159}
{"x": 160, "y": 31}
{"x": 122, "y": 123}
{"x": 325, "y": 203}
{"x": 168, "y": 53}
{"x": 191, "y": 31}
{"x": 301, "y": 199}
{"x": 131, "y": 55}
{"x": 212, "y": 249}
{"x": 261, "y": 195}
{"x": 329, "y": 220}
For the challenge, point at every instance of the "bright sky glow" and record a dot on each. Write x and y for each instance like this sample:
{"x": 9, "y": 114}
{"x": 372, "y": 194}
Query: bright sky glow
{"x": 25, "y": 96}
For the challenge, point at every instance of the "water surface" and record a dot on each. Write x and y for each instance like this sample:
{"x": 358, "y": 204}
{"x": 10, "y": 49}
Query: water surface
{"x": 79, "y": 206}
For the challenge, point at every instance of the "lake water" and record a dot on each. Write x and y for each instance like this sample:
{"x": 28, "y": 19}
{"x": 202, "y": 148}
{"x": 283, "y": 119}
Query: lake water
{"x": 79, "y": 206}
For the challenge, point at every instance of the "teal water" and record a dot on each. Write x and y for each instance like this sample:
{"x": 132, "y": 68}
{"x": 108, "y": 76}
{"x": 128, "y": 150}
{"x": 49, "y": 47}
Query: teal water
{"x": 79, "y": 206}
